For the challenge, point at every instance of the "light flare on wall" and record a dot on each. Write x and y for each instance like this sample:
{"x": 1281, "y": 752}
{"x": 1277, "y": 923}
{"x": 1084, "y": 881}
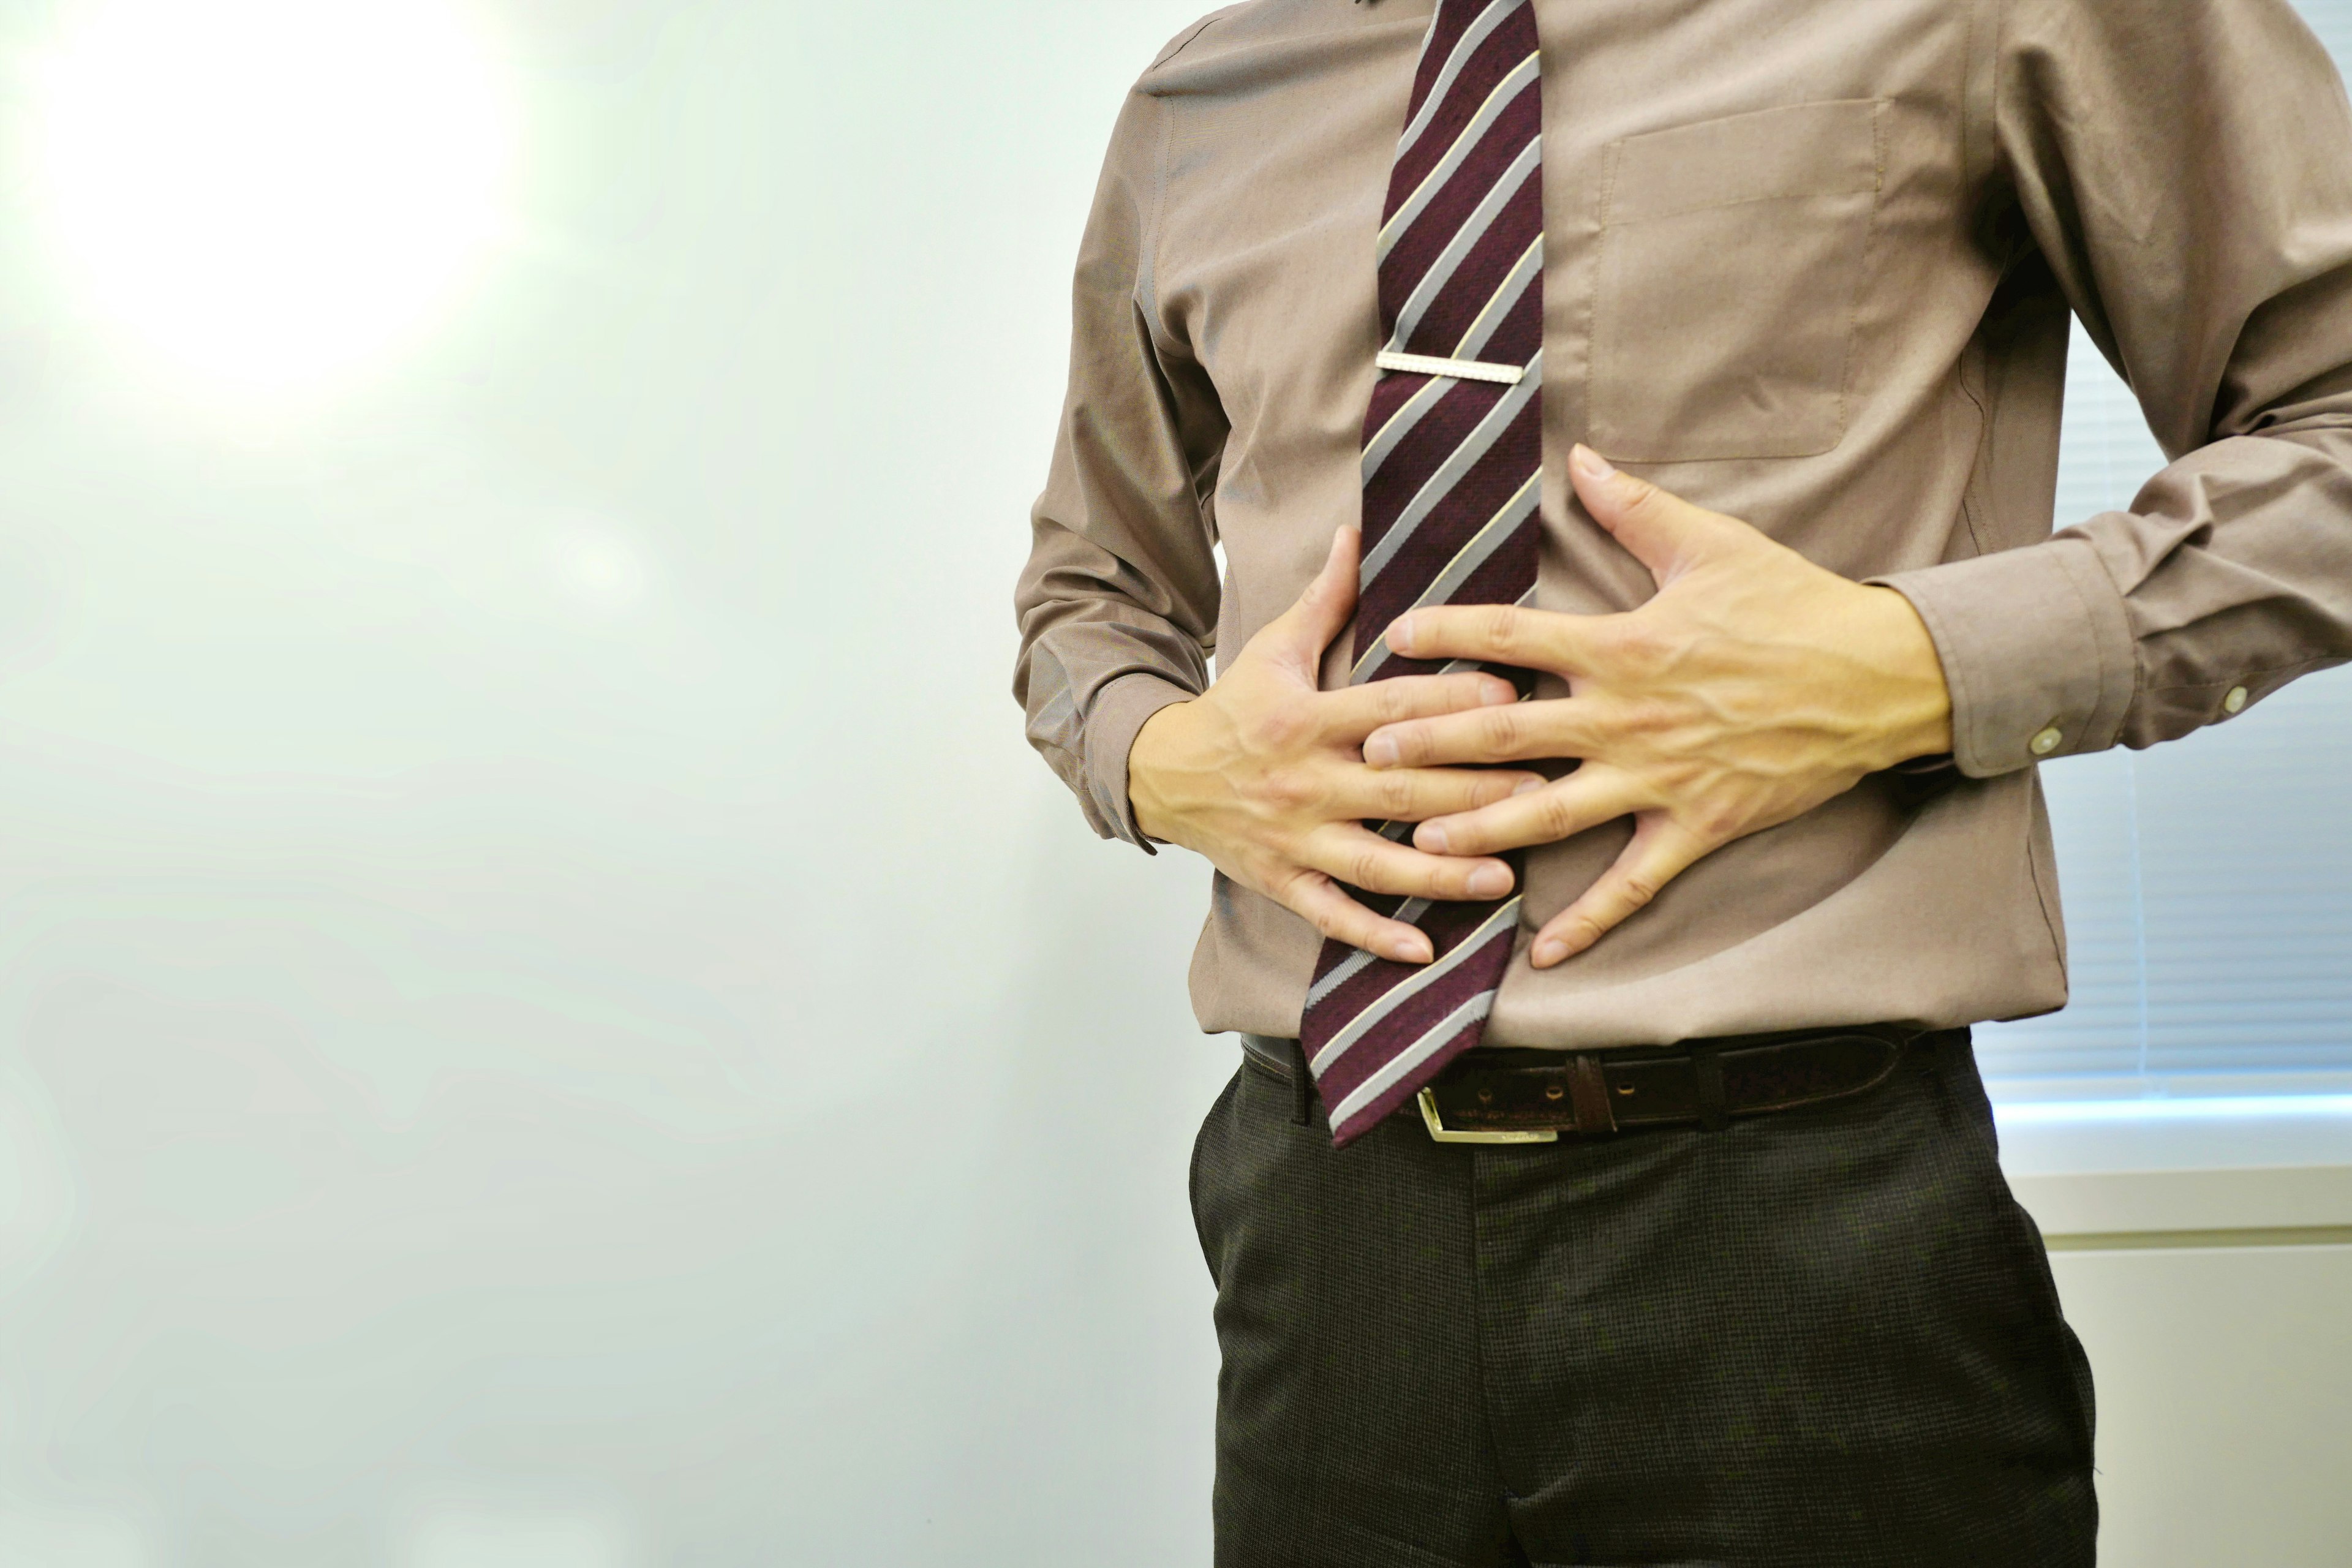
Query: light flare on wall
{"x": 269, "y": 193}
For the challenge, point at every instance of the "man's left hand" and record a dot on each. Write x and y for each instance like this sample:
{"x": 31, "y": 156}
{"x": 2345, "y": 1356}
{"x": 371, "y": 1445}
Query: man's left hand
{"x": 1750, "y": 688}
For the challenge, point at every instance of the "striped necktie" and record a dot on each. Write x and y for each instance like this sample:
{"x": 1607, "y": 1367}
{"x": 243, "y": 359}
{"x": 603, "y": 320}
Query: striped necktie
{"x": 1452, "y": 462}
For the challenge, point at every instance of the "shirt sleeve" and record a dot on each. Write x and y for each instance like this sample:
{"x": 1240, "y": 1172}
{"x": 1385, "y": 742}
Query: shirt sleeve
{"x": 1118, "y": 604}
{"x": 2184, "y": 168}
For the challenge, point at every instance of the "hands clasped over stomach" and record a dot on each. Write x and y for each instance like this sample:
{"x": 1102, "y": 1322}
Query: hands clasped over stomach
{"x": 1751, "y": 688}
{"x": 1264, "y": 775}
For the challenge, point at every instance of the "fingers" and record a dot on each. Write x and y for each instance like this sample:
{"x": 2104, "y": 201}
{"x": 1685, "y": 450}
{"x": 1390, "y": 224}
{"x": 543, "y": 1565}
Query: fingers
{"x": 1362, "y": 858}
{"x": 1351, "y": 715}
{"x": 1415, "y": 794}
{"x": 1662, "y": 531}
{"x": 1356, "y": 855}
{"x": 1660, "y": 850}
{"x": 1319, "y": 899}
{"x": 1561, "y": 809}
{"x": 1320, "y": 612}
{"x": 1558, "y": 727}
{"x": 1497, "y": 634}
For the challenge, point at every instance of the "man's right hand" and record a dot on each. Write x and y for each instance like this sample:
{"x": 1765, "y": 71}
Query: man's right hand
{"x": 1264, "y": 777}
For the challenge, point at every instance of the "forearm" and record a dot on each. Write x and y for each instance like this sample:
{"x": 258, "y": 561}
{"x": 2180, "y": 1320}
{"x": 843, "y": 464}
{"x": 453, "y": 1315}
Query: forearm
{"x": 2232, "y": 575}
{"x": 1119, "y": 600}
{"x": 1088, "y": 684}
{"x": 2185, "y": 174}
{"x": 2235, "y": 569}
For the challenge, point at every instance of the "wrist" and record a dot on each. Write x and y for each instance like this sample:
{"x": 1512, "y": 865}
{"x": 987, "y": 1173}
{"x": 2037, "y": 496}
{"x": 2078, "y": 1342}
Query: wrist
{"x": 1916, "y": 706}
{"x": 1145, "y": 756}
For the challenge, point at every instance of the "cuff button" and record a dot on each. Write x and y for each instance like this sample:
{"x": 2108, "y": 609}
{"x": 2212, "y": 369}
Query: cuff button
{"x": 2047, "y": 741}
{"x": 2234, "y": 701}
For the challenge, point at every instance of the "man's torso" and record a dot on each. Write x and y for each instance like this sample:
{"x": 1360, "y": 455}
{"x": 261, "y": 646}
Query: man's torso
{"x": 1773, "y": 286}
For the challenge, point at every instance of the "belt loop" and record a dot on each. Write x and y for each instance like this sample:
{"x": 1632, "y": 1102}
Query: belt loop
{"x": 1706, "y": 1071}
{"x": 1302, "y": 1087}
{"x": 1587, "y": 1094}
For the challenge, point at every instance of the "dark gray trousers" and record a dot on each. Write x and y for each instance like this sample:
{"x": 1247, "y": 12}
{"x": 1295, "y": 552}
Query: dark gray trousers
{"x": 1822, "y": 1338}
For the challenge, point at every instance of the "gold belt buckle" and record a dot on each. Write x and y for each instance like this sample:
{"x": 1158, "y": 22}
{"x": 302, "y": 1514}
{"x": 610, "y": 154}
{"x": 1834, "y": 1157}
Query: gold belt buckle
{"x": 1440, "y": 1132}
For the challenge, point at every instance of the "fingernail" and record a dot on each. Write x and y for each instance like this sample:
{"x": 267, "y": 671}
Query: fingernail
{"x": 1432, "y": 837}
{"x": 1381, "y": 751}
{"x": 1527, "y": 786}
{"x": 1489, "y": 882}
{"x": 1496, "y": 696}
{"x": 1401, "y": 633}
{"x": 1590, "y": 463}
{"x": 1402, "y": 950}
{"x": 1548, "y": 952}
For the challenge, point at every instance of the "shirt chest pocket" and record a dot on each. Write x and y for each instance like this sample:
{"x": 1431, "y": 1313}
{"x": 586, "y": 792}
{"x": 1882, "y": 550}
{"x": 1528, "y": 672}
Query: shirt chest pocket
{"x": 1731, "y": 263}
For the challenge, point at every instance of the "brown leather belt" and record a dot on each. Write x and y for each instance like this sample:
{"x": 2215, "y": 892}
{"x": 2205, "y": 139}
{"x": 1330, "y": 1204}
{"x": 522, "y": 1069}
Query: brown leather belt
{"x": 1494, "y": 1095}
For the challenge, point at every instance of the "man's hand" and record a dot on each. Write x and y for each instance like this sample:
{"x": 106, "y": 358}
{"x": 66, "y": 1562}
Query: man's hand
{"x": 1264, "y": 775}
{"x": 1753, "y": 687}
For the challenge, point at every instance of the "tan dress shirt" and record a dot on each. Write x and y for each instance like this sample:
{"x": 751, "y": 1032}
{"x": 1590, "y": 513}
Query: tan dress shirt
{"x": 1807, "y": 263}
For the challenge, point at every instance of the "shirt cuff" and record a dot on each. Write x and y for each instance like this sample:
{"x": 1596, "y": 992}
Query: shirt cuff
{"x": 1119, "y": 711}
{"x": 2036, "y": 650}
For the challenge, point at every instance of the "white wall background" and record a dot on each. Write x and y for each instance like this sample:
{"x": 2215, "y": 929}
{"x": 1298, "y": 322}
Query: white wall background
{"x": 547, "y": 1015}
{"x": 547, "y": 1018}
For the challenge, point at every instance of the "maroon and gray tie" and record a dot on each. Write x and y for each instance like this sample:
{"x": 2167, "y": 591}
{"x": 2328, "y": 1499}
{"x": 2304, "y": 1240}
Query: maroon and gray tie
{"x": 1452, "y": 462}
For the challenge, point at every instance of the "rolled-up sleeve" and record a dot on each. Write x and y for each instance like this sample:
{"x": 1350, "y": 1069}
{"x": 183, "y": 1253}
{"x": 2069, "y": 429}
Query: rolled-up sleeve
{"x": 2184, "y": 168}
{"x": 1118, "y": 604}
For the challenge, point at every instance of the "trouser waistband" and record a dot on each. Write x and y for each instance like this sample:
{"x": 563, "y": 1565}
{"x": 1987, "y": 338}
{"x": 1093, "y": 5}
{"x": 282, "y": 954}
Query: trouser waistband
{"x": 1492, "y": 1094}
